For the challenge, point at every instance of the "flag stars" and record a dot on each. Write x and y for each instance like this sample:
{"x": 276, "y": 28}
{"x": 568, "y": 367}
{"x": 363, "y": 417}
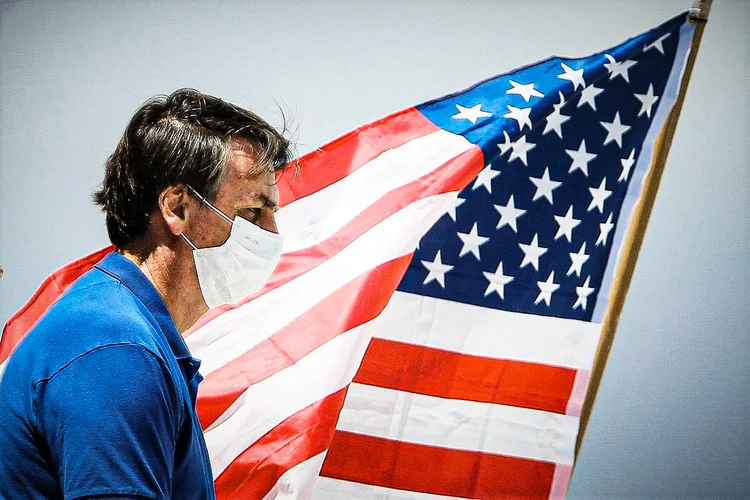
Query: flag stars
{"x": 598, "y": 196}
{"x": 544, "y": 186}
{"x": 556, "y": 118}
{"x": 471, "y": 242}
{"x": 509, "y": 215}
{"x": 546, "y": 289}
{"x": 627, "y": 164}
{"x": 436, "y": 270}
{"x": 484, "y": 178}
{"x": 566, "y": 224}
{"x": 520, "y": 115}
{"x": 526, "y": 91}
{"x": 504, "y": 146}
{"x": 472, "y": 114}
{"x": 531, "y": 253}
{"x": 574, "y": 76}
{"x": 497, "y": 281}
{"x": 583, "y": 293}
{"x": 452, "y": 210}
{"x": 581, "y": 158}
{"x": 604, "y": 230}
{"x": 520, "y": 150}
{"x": 647, "y": 101}
{"x": 546, "y": 256}
{"x": 588, "y": 96}
{"x": 657, "y": 44}
{"x": 618, "y": 68}
{"x": 615, "y": 130}
{"x": 577, "y": 260}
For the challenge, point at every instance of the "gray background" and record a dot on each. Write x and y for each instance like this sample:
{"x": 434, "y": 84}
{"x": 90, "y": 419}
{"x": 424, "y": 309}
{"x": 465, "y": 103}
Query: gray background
{"x": 672, "y": 417}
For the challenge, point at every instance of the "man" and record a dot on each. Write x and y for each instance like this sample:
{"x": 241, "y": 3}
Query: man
{"x": 98, "y": 401}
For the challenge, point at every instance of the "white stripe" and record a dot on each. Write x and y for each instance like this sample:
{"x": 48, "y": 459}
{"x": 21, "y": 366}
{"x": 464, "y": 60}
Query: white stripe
{"x": 458, "y": 424}
{"x": 298, "y": 482}
{"x": 3, "y": 365}
{"x": 266, "y": 404}
{"x": 236, "y": 331}
{"x": 313, "y": 219}
{"x": 335, "y": 489}
{"x": 487, "y": 332}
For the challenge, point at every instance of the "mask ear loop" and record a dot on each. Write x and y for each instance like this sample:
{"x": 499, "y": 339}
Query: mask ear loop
{"x": 188, "y": 241}
{"x": 226, "y": 218}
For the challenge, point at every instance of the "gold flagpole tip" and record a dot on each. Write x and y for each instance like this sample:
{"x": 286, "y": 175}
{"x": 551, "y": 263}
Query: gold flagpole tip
{"x": 699, "y": 12}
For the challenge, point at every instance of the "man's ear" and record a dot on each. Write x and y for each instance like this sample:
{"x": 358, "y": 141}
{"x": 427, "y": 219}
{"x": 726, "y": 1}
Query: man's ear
{"x": 173, "y": 207}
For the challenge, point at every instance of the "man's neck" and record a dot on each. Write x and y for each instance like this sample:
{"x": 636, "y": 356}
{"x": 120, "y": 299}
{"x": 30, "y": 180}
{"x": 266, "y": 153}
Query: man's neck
{"x": 174, "y": 278}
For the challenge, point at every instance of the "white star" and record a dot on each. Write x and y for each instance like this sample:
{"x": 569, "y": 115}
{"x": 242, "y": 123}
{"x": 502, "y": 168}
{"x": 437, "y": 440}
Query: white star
{"x": 618, "y": 68}
{"x": 604, "y": 229}
{"x": 519, "y": 150}
{"x": 531, "y": 253}
{"x": 497, "y": 281}
{"x": 598, "y": 195}
{"x": 615, "y": 130}
{"x": 647, "y": 100}
{"x": 588, "y": 96}
{"x": 472, "y": 114}
{"x": 566, "y": 223}
{"x": 544, "y": 186}
{"x": 573, "y": 76}
{"x": 546, "y": 289}
{"x": 583, "y": 292}
{"x": 505, "y": 145}
{"x": 657, "y": 44}
{"x": 627, "y": 164}
{"x": 509, "y": 214}
{"x": 471, "y": 242}
{"x": 452, "y": 210}
{"x": 577, "y": 260}
{"x": 556, "y": 118}
{"x": 521, "y": 115}
{"x": 436, "y": 270}
{"x": 485, "y": 178}
{"x": 526, "y": 91}
{"x": 581, "y": 158}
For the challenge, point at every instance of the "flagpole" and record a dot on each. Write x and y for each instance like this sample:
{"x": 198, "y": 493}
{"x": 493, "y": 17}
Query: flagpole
{"x": 698, "y": 15}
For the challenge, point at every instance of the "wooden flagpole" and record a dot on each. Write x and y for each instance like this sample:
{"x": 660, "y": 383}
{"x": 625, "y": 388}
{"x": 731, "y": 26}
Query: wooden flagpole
{"x": 698, "y": 15}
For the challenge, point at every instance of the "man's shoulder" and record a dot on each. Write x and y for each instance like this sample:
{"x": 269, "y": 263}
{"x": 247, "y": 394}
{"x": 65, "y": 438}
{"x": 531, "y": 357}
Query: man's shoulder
{"x": 97, "y": 311}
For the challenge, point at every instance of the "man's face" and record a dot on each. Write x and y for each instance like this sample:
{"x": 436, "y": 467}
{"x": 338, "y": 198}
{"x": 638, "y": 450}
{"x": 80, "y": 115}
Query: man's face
{"x": 242, "y": 192}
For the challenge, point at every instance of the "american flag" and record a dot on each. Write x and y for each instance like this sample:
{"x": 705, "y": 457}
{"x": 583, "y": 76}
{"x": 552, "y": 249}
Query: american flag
{"x": 432, "y": 324}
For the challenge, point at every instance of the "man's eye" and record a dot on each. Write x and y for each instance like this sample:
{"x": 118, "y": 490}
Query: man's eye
{"x": 252, "y": 213}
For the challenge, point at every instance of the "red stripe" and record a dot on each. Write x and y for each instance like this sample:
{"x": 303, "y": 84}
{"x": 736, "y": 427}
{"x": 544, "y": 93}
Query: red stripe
{"x": 53, "y": 287}
{"x": 352, "y": 305}
{"x": 451, "y": 176}
{"x": 431, "y": 469}
{"x": 316, "y": 170}
{"x": 445, "y": 374}
{"x": 303, "y": 435}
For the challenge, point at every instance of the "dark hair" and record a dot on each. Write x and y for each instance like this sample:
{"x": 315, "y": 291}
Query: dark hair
{"x": 183, "y": 138}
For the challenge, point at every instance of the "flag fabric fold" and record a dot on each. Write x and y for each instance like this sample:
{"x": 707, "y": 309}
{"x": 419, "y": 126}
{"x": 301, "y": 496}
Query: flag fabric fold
{"x": 432, "y": 324}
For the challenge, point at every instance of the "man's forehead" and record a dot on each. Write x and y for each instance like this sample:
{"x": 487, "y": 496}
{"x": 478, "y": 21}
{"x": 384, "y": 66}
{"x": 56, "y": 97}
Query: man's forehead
{"x": 243, "y": 161}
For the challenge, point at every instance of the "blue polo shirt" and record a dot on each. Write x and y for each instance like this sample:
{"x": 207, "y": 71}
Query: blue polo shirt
{"x": 99, "y": 398}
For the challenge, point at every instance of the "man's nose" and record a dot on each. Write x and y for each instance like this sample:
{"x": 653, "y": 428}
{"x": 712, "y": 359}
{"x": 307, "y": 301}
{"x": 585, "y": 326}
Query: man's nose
{"x": 268, "y": 221}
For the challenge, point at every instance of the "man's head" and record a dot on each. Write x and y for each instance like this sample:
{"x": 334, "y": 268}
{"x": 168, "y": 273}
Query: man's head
{"x": 186, "y": 138}
{"x": 177, "y": 153}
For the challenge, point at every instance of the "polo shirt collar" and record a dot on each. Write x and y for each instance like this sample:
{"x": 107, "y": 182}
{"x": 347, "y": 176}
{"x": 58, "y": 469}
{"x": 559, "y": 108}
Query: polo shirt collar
{"x": 126, "y": 272}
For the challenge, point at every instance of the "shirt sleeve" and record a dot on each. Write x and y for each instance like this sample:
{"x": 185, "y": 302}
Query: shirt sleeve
{"x": 109, "y": 420}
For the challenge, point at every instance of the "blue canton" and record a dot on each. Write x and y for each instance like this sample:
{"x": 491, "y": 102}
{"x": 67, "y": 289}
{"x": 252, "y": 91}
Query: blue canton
{"x": 533, "y": 232}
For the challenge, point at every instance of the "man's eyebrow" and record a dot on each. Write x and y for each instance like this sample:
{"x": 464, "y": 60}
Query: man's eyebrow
{"x": 268, "y": 202}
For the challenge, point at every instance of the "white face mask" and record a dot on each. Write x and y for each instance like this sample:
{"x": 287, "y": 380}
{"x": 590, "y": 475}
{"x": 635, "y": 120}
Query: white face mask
{"x": 240, "y": 266}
